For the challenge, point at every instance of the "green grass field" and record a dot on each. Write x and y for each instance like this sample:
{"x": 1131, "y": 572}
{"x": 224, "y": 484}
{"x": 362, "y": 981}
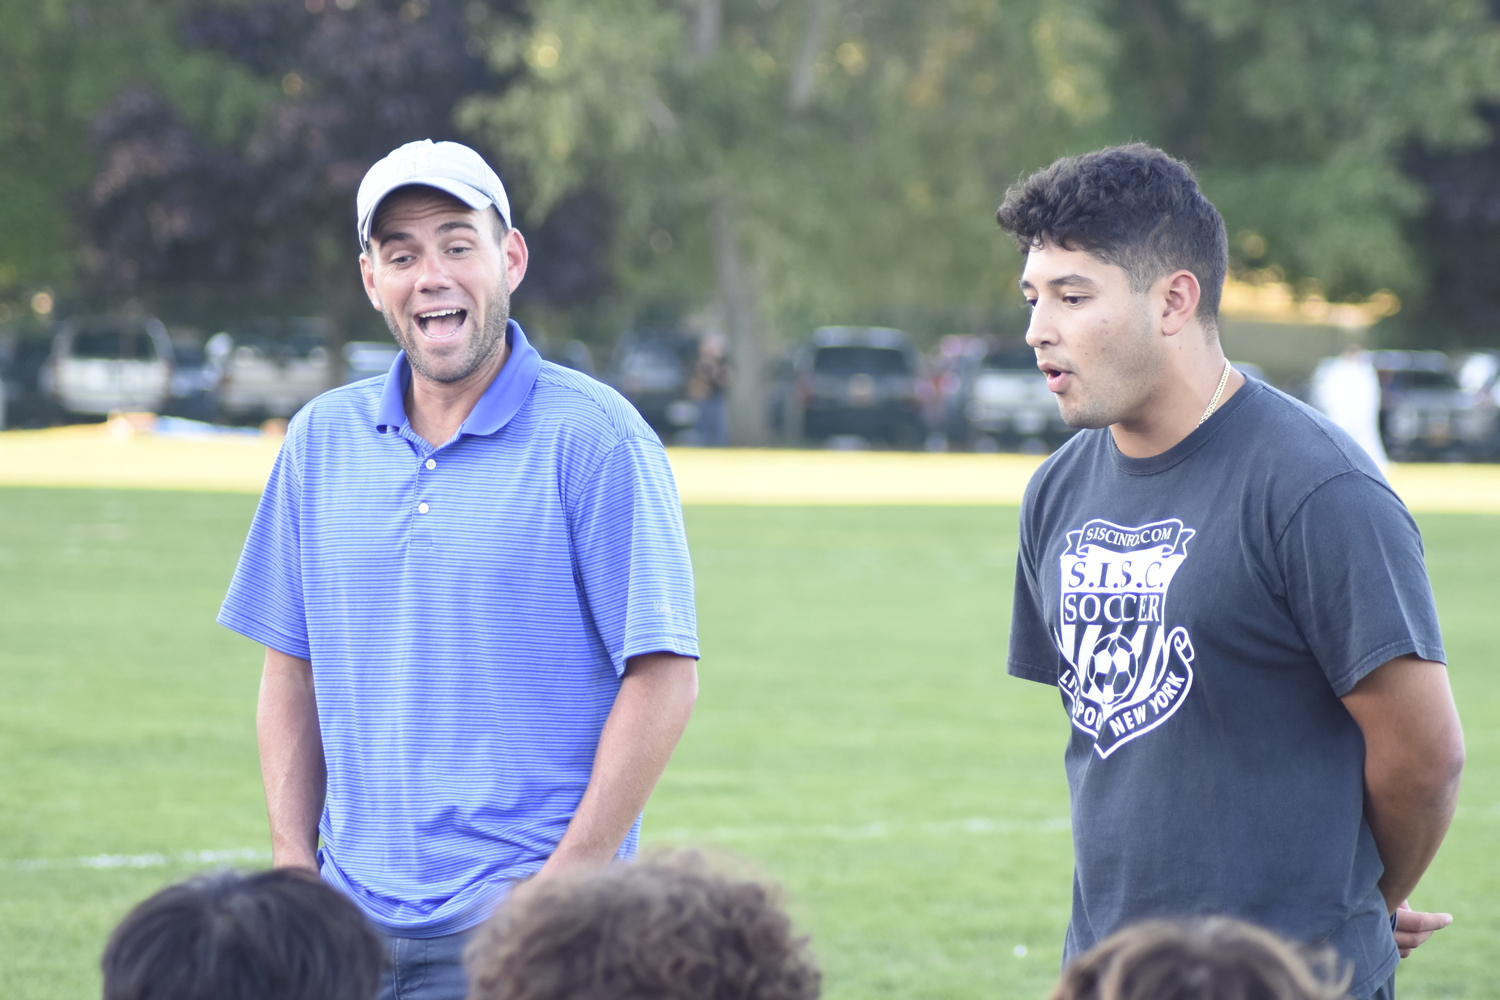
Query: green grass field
{"x": 856, "y": 737}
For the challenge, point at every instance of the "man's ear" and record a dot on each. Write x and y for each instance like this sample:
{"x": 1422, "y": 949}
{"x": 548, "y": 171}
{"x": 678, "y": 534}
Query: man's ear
{"x": 513, "y": 247}
{"x": 367, "y": 272}
{"x": 1179, "y": 293}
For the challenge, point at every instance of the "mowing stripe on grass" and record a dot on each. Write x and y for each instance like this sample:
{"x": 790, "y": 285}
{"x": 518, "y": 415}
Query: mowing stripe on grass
{"x": 150, "y": 860}
{"x": 866, "y": 831}
{"x": 118, "y": 455}
{"x": 938, "y": 828}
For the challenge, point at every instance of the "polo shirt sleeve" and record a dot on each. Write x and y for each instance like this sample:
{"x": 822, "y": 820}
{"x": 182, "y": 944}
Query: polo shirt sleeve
{"x": 1356, "y": 582}
{"x": 631, "y": 554}
{"x": 265, "y": 596}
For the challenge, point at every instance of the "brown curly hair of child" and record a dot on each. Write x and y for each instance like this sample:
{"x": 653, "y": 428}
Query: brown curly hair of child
{"x": 1209, "y": 958}
{"x": 668, "y": 927}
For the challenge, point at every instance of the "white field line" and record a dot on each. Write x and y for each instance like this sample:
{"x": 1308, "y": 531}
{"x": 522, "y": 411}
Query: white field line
{"x": 151, "y": 860}
{"x": 866, "y": 831}
{"x": 679, "y": 834}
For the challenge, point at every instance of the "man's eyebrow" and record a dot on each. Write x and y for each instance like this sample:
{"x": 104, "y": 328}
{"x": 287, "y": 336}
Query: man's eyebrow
{"x": 1072, "y": 279}
{"x": 446, "y": 227}
{"x": 1067, "y": 280}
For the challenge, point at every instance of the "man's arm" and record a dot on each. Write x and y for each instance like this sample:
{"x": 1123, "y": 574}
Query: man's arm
{"x": 1414, "y": 754}
{"x": 291, "y": 759}
{"x": 648, "y": 718}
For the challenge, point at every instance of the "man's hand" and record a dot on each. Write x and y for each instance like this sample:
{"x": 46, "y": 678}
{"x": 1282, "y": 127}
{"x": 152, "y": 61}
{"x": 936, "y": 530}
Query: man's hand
{"x": 1413, "y": 927}
{"x": 649, "y": 715}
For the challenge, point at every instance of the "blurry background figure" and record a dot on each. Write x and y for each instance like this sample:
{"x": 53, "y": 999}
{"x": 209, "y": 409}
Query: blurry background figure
{"x": 1347, "y": 390}
{"x": 275, "y": 935}
{"x": 1210, "y": 958}
{"x": 666, "y": 926}
{"x": 707, "y": 387}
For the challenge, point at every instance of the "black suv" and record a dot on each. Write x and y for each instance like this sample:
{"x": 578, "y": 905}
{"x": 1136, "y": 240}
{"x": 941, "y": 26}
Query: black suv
{"x": 861, "y": 382}
{"x": 651, "y": 368}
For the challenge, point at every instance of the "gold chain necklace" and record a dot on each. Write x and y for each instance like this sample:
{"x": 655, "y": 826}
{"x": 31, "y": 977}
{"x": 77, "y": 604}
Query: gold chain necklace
{"x": 1213, "y": 404}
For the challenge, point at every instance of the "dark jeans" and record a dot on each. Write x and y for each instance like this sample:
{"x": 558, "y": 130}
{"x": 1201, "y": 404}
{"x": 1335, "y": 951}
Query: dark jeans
{"x": 426, "y": 968}
{"x": 1387, "y": 991}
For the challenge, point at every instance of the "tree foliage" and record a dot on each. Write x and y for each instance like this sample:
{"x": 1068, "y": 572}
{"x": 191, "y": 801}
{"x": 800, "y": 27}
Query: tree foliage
{"x": 761, "y": 164}
{"x": 352, "y": 85}
{"x": 60, "y": 63}
{"x": 1297, "y": 116}
{"x": 842, "y": 158}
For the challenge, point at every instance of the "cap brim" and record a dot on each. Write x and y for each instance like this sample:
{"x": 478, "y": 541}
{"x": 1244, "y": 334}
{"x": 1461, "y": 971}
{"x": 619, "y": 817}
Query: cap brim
{"x": 465, "y": 193}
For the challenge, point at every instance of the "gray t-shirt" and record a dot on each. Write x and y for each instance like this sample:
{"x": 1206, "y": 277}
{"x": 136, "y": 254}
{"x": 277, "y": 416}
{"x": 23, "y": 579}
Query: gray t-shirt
{"x": 1202, "y": 612}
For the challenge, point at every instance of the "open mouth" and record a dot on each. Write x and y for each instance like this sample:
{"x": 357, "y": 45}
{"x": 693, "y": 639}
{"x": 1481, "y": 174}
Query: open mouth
{"x": 1057, "y": 378}
{"x": 441, "y": 324}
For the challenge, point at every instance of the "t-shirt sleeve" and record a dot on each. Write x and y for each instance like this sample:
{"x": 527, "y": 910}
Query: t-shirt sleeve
{"x": 631, "y": 555}
{"x": 1032, "y": 655}
{"x": 265, "y": 597}
{"x": 1356, "y": 582}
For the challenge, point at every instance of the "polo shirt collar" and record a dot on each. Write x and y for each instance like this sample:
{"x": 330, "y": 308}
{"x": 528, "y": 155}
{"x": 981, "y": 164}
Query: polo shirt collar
{"x": 501, "y": 400}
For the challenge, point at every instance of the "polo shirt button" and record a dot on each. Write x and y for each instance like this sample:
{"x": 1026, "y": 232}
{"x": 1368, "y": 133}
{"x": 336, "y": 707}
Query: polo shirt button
{"x": 430, "y": 464}
{"x": 422, "y": 508}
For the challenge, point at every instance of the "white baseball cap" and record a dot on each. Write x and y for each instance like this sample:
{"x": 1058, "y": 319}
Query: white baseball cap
{"x": 447, "y": 166}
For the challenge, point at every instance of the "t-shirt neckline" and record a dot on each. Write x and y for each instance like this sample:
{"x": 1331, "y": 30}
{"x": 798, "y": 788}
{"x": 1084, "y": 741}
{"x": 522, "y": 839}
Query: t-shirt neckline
{"x": 1188, "y": 445}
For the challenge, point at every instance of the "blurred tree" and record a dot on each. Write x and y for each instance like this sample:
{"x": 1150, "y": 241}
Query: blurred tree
{"x": 1457, "y": 241}
{"x": 275, "y": 212}
{"x": 829, "y": 159}
{"x": 837, "y": 158}
{"x": 1296, "y": 116}
{"x": 60, "y": 63}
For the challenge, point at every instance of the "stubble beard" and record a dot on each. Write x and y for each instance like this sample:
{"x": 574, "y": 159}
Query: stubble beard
{"x": 478, "y": 352}
{"x": 1123, "y": 381}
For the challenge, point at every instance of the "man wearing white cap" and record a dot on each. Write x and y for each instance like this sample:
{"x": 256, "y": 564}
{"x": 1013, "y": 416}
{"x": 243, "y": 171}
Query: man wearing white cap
{"x": 471, "y": 580}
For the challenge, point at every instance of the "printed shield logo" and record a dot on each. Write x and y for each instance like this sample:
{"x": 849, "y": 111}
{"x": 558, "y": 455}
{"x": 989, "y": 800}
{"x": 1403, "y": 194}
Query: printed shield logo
{"x": 1127, "y": 673}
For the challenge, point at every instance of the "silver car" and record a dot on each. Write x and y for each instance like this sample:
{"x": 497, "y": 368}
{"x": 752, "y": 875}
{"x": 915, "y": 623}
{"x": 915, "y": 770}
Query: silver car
{"x": 1005, "y": 403}
{"x": 1424, "y": 413}
{"x": 271, "y": 368}
{"x": 108, "y": 364}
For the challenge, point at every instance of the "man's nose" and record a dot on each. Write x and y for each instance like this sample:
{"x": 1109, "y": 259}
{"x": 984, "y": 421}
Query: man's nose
{"x": 432, "y": 273}
{"x": 1040, "y": 330}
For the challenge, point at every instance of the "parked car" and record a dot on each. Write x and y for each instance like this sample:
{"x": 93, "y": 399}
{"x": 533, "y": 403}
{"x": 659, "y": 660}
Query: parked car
{"x": 651, "y": 368}
{"x": 104, "y": 364}
{"x": 271, "y": 367}
{"x": 368, "y": 358}
{"x": 195, "y": 382}
{"x": 574, "y": 354}
{"x": 1003, "y": 402}
{"x": 863, "y": 382}
{"x": 1424, "y": 413}
{"x": 23, "y": 360}
{"x": 1479, "y": 375}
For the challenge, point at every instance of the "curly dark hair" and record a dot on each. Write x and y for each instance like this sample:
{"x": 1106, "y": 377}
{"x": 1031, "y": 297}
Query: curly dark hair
{"x": 664, "y": 928}
{"x": 1211, "y": 958}
{"x": 274, "y": 935}
{"x": 1131, "y": 206}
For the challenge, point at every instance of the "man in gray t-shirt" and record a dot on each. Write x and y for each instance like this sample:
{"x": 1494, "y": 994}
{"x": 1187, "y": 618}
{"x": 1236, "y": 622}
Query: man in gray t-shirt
{"x": 1230, "y": 599}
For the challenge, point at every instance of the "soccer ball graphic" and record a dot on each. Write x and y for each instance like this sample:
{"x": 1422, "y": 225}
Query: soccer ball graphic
{"x": 1112, "y": 666}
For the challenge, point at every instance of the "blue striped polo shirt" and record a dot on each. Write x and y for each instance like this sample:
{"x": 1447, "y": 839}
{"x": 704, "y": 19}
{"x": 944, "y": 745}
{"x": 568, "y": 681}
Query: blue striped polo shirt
{"x": 468, "y": 610}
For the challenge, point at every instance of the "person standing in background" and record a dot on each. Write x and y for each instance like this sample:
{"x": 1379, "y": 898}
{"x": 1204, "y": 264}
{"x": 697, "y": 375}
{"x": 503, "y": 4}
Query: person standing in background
{"x": 708, "y": 387}
{"x": 1346, "y": 390}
